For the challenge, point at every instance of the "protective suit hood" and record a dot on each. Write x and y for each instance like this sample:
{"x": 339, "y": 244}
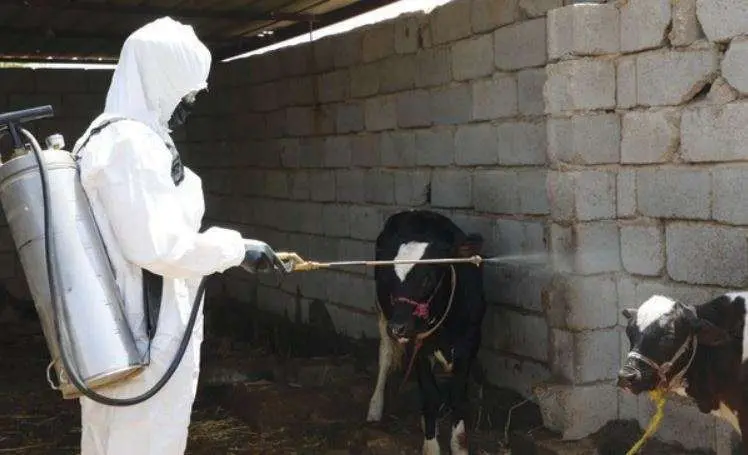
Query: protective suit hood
{"x": 159, "y": 64}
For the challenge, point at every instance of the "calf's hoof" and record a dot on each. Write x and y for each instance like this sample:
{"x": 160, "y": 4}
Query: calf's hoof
{"x": 375, "y": 412}
{"x": 458, "y": 441}
{"x": 431, "y": 447}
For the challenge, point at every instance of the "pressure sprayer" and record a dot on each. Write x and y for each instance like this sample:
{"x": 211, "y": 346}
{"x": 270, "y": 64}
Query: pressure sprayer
{"x": 79, "y": 305}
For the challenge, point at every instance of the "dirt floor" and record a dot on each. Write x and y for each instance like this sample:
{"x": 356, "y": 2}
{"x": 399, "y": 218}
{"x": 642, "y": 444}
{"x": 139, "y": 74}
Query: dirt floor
{"x": 277, "y": 388}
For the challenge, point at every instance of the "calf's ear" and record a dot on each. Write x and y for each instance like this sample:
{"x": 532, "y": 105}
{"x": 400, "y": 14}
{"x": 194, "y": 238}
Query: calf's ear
{"x": 629, "y": 313}
{"x": 709, "y": 334}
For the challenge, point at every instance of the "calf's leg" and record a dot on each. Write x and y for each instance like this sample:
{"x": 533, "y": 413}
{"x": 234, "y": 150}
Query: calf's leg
{"x": 430, "y": 401}
{"x": 459, "y": 402}
{"x": 387, "y": 353}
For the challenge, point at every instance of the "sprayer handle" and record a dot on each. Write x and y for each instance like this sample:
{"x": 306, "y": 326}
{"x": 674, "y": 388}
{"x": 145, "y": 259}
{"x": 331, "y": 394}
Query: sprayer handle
{"x": 297, "y": 263}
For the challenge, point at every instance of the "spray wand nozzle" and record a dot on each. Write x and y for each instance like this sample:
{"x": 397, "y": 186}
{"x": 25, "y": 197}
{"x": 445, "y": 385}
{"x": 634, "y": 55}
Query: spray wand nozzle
{"x": 295, "y": 263}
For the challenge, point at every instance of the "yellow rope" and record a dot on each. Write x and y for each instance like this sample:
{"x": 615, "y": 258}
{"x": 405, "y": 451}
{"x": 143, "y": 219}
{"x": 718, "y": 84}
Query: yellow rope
{"x": 658, "y": 396}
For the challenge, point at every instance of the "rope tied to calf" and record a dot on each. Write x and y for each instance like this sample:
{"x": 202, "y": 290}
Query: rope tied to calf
{"x": 658, "y": 396}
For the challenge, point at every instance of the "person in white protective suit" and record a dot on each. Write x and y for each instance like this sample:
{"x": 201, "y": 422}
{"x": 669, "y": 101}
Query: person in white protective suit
{"x": 149, "y": 208}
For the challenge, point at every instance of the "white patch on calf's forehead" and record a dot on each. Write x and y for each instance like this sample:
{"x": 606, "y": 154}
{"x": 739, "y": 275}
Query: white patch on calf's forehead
{"x": 408, "y": 251}
{"x": 652, "y": 310}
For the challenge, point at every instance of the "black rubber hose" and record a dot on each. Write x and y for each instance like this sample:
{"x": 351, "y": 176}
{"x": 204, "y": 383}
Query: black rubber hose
{"x": 60, "y": 316}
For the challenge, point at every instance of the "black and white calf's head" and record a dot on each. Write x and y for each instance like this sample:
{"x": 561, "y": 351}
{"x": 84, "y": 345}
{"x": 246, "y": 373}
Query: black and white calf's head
{"x": 663, "y": 335}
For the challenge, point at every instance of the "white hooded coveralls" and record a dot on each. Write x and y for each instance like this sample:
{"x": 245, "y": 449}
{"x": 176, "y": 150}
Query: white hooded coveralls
{"x": 149, "y": 222}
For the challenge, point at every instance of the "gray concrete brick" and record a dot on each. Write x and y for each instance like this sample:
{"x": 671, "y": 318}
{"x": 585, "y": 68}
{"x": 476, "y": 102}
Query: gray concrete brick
{"x": 378, "y": 42}
{"x": 721, "y": 93}
{"x": 734, "y": 64}
{"x": 325, "y": 119}
{"x": 433, "y": 67}
{"x": 583, "y": 303}
{"x": 685, "y": 28}
{"x": 312, "y": 152}
{"x": 364, "y": 80}
{"x": 490, "y": 14}
{"x": 730, "y": 185}
{"x": 450, "y": 22}
{"x": 476, "y": 144}
{"x": 308, "y": 218}
{"x": 650, "y": 137}
{"x": 583, "y": 29}
{"x": 366, "y": 150}
{"x": 580, "y": 84}
{"x": 380, "y": 113}
{"x": 495, "y": 98}
{"x": 451, "y": 105}
{"x": 411, "y": 187}
{"x": 521, "y": 143}
{"x": 380, "y": 187}
{"x": 703, "y": 254}
{"x": 597, "y": 355}
{"x": 398, "y": 149}
{"x": 299, "y": 185}
{"x": 519, "y": 237}
{"x": 561, "y": 192}
{"x": 366, "y": 222}
{"x": 295, "y": 60}
{"x": 276, "y": 184}
{"x": 299, "y": 91}
{"x": 644, "y": 24}
{"x": 350, "y": 185}
{"x": 300, "y": 121}
{"x": 413, "y": 109}
{"x": 324, "y": 54}
{"x": 535, "y": 8}
{"x": 722, "y": 20}
{"x": 714, "y": 133}
{"x": 674, "y": 193}
{"x": 513, "y": 373}
{"x": 348, "y": 49}
{"x": 335, "y": 220}
{"x": 520, "y": 45}
{"x": 452, "y": 188}
{"x": 527, "y": 334}
{"x": 674, "y": 77}
{"x": 337, "y": 151}
{"x": 626, "y": 192}
{"x": 643, "y": 249}
{"x": 530, "y": 91}
{"x": 598, "y": 247}
{"x": 435, "y": 147}
{"x": 510, "y": 192}
{"x": 322, "y": 186}
{"x": 585, "y": 139}
{"x": 350, "y": 117}
{"x": 397, "y": 73}
{"x": 407, "y": 30}
{"x": 595, "y": 195}
{"x": 290, "y": 150}
{"x": 472, "y": 58}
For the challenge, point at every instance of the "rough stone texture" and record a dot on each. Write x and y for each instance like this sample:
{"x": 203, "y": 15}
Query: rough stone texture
{"x": 721, "y": 93}
{"x": 642, "y": 249}
{"x": 580, "y": 84}
{"x": 585, "y": 139}
{"x": 674, "y": 193}
{"x": 521, "y": 143}
{"x": 490, "y": 14}
{"x": 626, "y": 82}
{"x": 715, "y": 133}
{"x": 520, "y": 45}
{"x": 730, "y": 185}
{"x": 734, "y": 64}
{"x": 450, "y": 22}
{"x": 583, "y": 303}
{"x": 530, "y": 91}
{"x": 644, "y": 24}
{"x": 576, "y": 411}
{"x": 685, "y": 29}
{"x": 583, "y": 29}
{"x": 476, "y": 144}
{"x": 722, "y": 19}
{"x": 535, "y": 8}
{"x": 673, "y": 77}
{"x": 650, "y": 137}
{"x": 497, "y": 97}
{"x": 452, "y": 188}
{"x": 472, "y": 58}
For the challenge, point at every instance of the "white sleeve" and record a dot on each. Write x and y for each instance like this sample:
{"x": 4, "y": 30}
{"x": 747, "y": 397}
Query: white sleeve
{"x": 135, "y": 188}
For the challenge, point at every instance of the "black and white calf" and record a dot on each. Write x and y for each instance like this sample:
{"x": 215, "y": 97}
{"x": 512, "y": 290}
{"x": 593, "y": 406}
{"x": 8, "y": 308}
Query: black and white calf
{"x": 699, "y": 352}
{"x": 428, "y": 313}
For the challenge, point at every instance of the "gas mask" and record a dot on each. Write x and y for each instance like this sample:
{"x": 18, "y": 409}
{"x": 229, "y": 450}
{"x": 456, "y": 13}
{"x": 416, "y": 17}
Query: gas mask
{"x": 182, "y": 111}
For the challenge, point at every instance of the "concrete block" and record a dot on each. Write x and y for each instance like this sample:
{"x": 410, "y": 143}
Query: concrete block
{"x": 520, "y": 45}
{"x": 452, "y": 188}
{"x": 734, "y": 63}
{"x": 643, "y": 249}
{"x": 730, "y": 185}
{"x": 626, "y": 192}
{"x": 598, "y": 247}
{"x": 722, "y": 20}
{"x": 650, "y": 137}
{"x": 523, "y": 287}
{"x": 510, "y": 192}
{"x": 451, "y": 105}
{"x": 674, "y": 193}
{"x": 412, "y": 187}
{"x": 476, "y": 144}
{"x": 299, "y": 91}
{"x": 380, "y": 187}
{"x": 435, "y": 147}
{"x": 579, "y": 303}
{"x": 702, "y": 254}
{"x": 488, "y": 15}
{"x": 580, "y": 84}
{"x": 433, "y": 67}
{"x": 325, "y": 119}
{"x": 335, "y": 220}
{"x": 364, "y": 80}
{"x": 348, "y": 49}
{"x": 521, "y": 143}
{"x": 396, "y": 73}
{"x": 594, "y": 195}
{"x": 378, "y": 42}
{"x": 290, "y": 150}
{"x": 366, "y": 150}
{"x": 312, "y": 152}
{"x": 450, "y": 22}
{"x": 322, "y": 185}
{"x": 324, "y": 54}
{"x": 527, "y": 334}
{"x": 309, "y": 218}
{"x": 561, "y": 192}
{"x": 380, "y": 113}
{"x": 530, "y": 91}
{"x": 536, "y": 8}
{"x": 300, "y": 121}
{"x": 576, "y": 411}
{"x": 583, "y": 29}
{"x": 333, "y": 86}
{"x": 714, "y": 133}
{"x": 673, "y": 77}
{"x": 407, "y": 30}
{"x": 585, "y": 356}
{"x": 350, "y": 185}
{"x": 398, "y": 149}
{"x": 644, "y": 24}
{"x": 472, "y": 58}
{"x": 510, "y": 372}
{"x": 366, "y": 222}
{"x": 338, "y": 151}
{"x": 685, "y": 28}
{"x": 350, "y": 117}
{"x": 519, "y": 237}
{"x": 626, "y": 82}
{"x": 495, "y": 98}
{"x": 721, "y": 93}
{"x": 585, "y": 139}
{"x": 413, "y": 109}
{"x": 276, "y": 184}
